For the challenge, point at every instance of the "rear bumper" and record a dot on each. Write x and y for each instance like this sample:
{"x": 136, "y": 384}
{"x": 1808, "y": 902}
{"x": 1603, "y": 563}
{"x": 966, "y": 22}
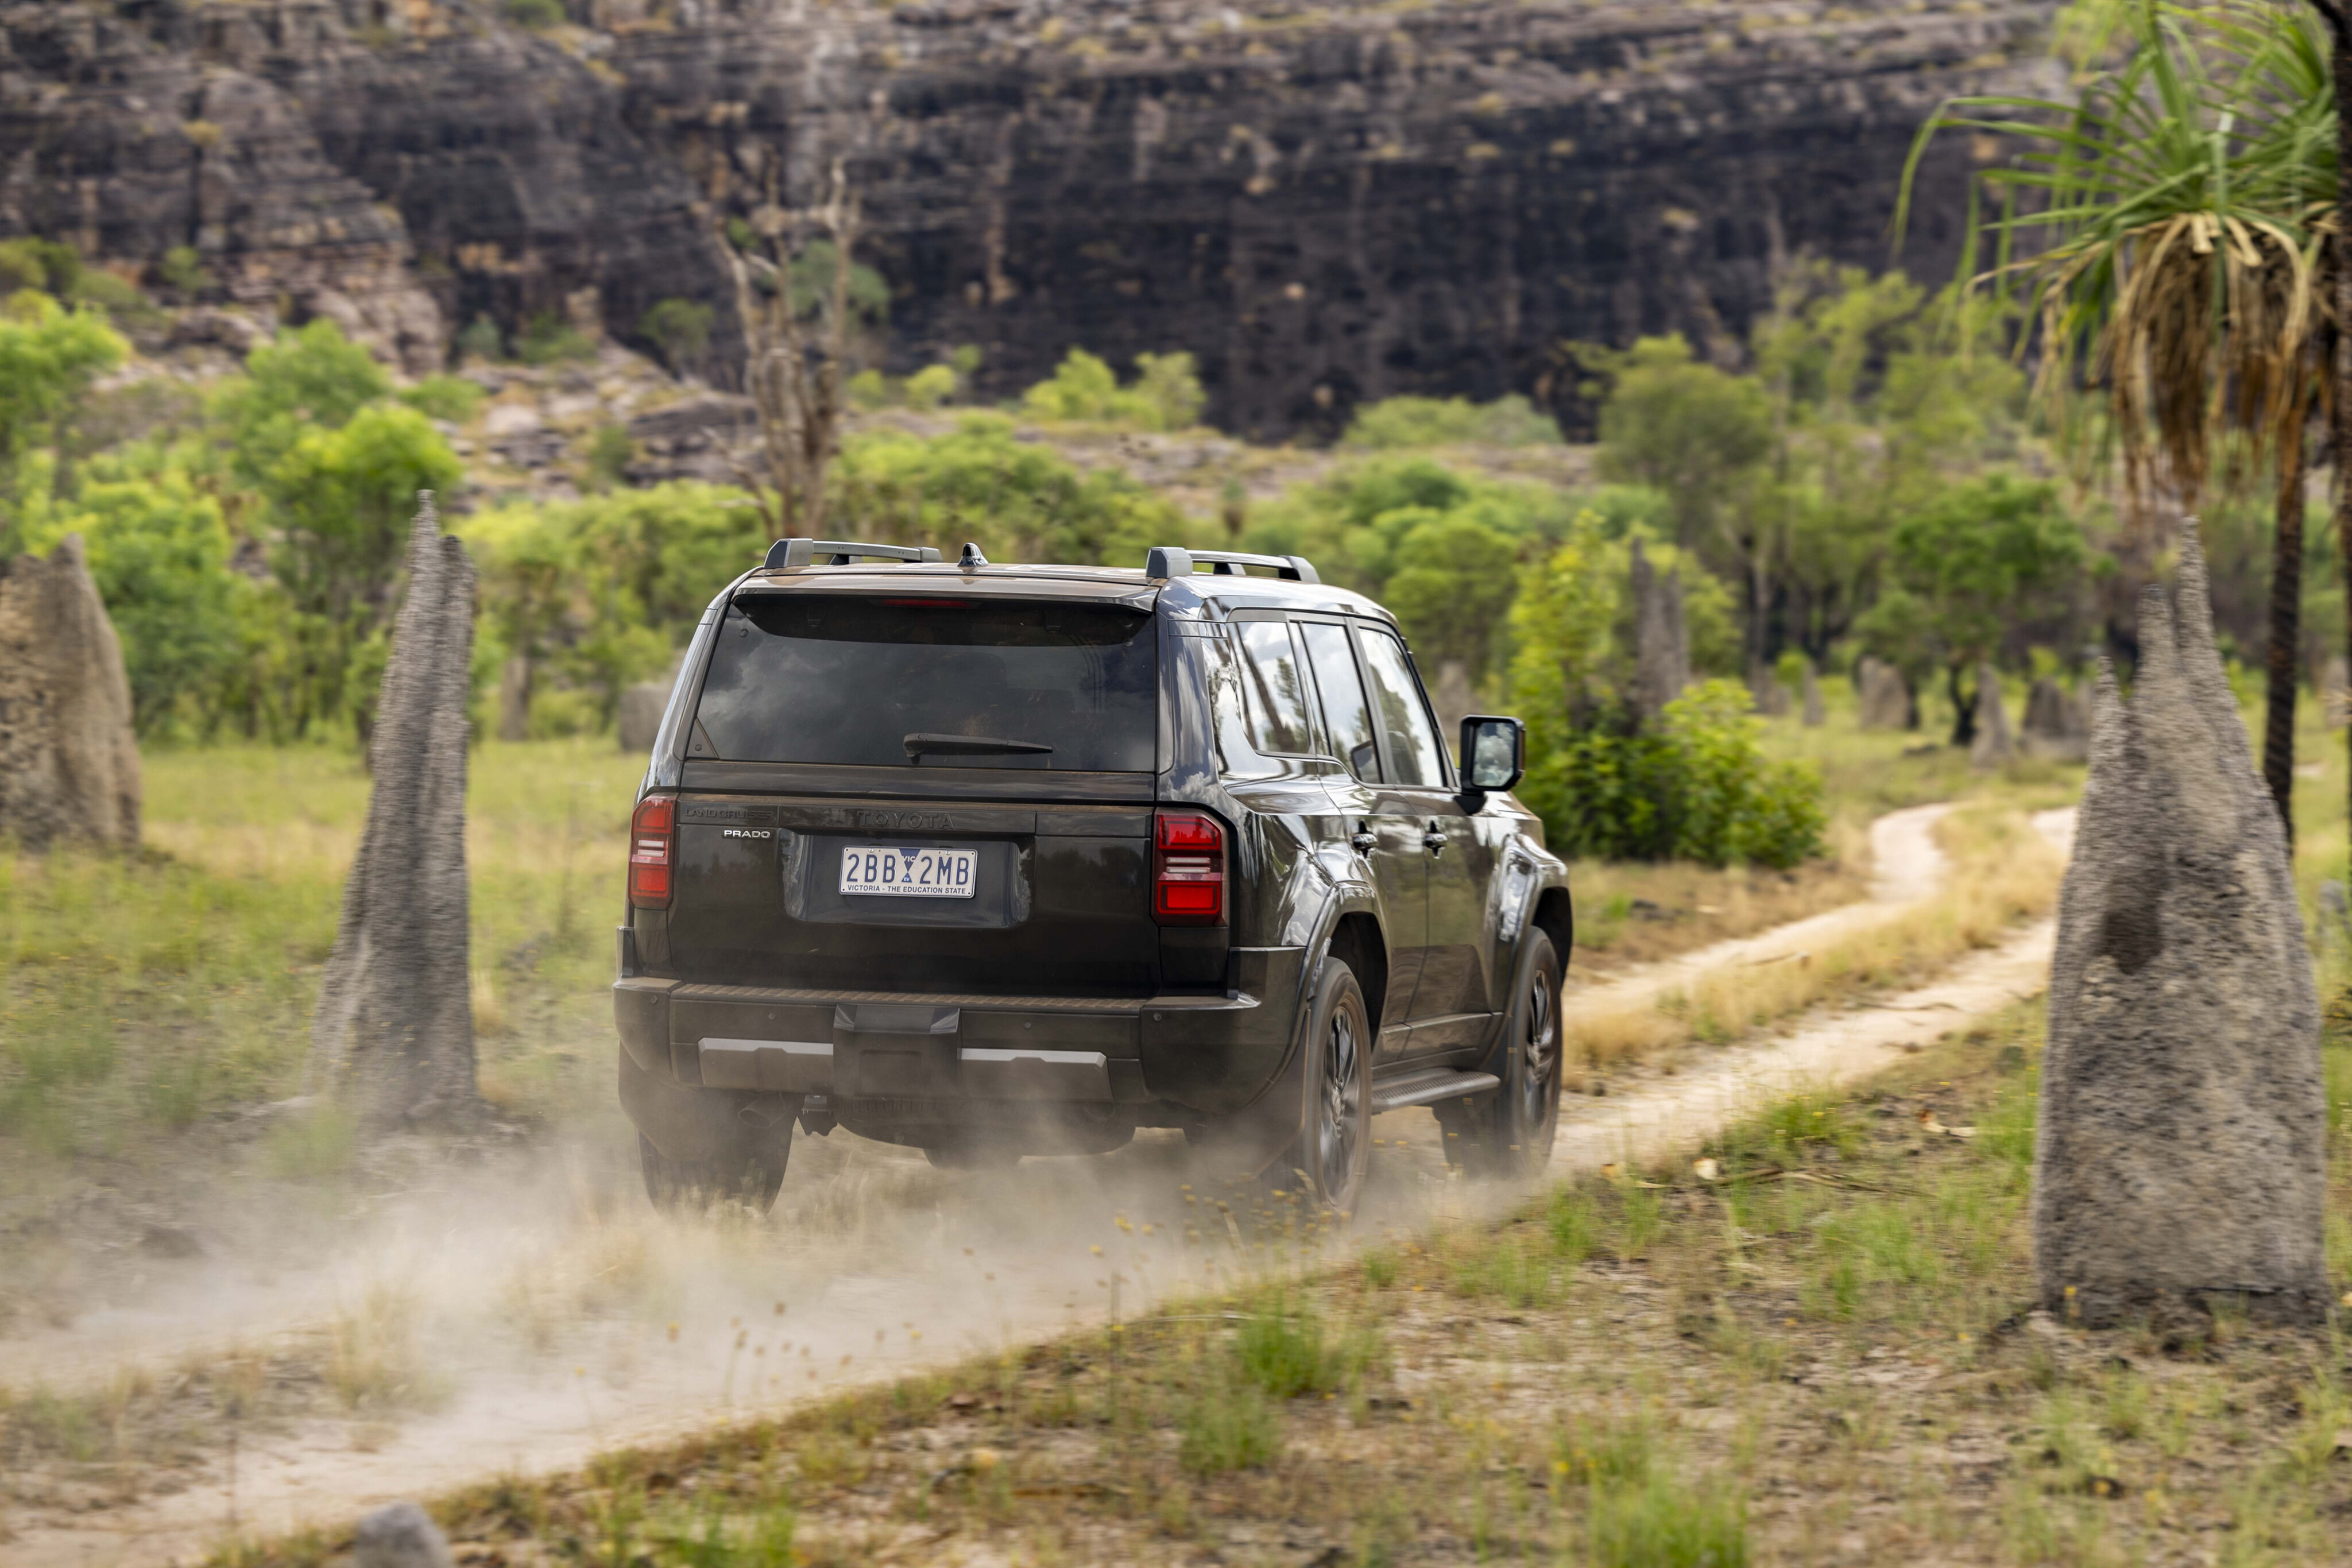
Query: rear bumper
{"x": 1208, "y": 1053}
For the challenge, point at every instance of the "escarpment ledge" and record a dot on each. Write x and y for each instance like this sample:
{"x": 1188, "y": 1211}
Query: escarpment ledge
{"x": 1326, "y": 206}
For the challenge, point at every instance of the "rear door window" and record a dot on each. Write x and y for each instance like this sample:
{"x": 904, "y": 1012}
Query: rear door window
{"x": 1277, "y": 701}
{"x": 1346, "y": 716}
{"x": 859, "y": 680}
{"x": 1412, "y": 740}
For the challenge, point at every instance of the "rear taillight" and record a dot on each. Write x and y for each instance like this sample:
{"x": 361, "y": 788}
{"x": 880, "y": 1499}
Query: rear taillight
{"x": 1188, "y": 869}
{"x": 653, "y": 851}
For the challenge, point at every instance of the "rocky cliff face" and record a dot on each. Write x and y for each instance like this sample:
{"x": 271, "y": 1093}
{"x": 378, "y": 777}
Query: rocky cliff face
{"x": 1325, "y": 205}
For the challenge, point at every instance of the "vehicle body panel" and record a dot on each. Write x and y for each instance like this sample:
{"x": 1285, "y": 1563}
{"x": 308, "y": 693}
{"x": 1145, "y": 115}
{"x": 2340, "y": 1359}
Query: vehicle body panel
{"x": 1051, "y": 986}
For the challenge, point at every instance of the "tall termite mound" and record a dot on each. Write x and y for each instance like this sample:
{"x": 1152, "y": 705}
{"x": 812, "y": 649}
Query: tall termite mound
{"x": 393, "y": 1033}
{"x": 68, "y": 766}
{"x": 1661, "y": 638}
{"x": 2180, "y": 1157}
{"x": 1882, "y": 697}
{"x": 1993, "y": 745}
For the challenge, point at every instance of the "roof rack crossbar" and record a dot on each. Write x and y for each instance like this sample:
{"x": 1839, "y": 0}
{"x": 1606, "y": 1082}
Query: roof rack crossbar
{"x": 785, "y": 554}
{"x": 1173, "y": 560}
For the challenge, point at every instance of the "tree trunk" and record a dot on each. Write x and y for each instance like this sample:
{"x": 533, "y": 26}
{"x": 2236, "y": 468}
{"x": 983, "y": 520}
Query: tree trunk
{"x": 2285, "y": 627}
{"x": 1964, "y": 723}
{"x": 2340, "y": 34}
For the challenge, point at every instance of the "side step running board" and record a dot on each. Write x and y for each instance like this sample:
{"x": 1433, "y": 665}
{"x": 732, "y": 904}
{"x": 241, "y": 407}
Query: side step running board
{"x": 1427, "y": 1085}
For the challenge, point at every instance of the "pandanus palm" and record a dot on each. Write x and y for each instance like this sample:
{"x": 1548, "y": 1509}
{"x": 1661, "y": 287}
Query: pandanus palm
{"x": 2168, "y": 227}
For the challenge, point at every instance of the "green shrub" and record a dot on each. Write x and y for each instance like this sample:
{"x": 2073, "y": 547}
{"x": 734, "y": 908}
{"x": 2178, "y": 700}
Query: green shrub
{"x": 536, "y": 14}
{"x": 1663, "y": 1524}
{"x": 610, "y": 451}
{"x": 550, "y": 339}
{"x": 453, "y": 398}
{"x": 680, "y": 329}
{"x": 1166, "y": 394}
{"x": 1574, "y": 1222}
{"x": 481, "y": 340}
{"x": 1228, "y": 1428}
{"x": 1400, "y": 422}
{"x": 1510, "y": 1269}
{"x": 1698, "y": 788}
{"x": 183, "y": 271}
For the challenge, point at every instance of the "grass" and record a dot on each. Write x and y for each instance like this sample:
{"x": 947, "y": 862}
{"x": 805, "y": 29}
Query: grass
{"x": 1821, "y": 1356}
{"x": 143, "y": 998}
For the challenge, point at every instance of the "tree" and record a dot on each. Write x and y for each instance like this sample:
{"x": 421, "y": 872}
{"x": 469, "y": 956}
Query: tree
{"x": 1018, "y": 499}
{"x": 159, "y": 554}
{"x": 311, "y": 378}
{"x": 1880, "y": 396}
{"x": 1965, "y": 569}
{"x": 2169, "y": 217}
{"x": 48, "y": 357}
{"x": 1451, "y": 586}
{"x": 794, "y": 305}
{"x": 1701, "y": 437}
{"x": 342, "y": 500}
{"x": 2336, "y": 94}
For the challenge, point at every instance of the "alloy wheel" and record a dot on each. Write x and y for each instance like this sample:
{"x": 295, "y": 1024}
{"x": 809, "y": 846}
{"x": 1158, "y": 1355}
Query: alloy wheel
{"x": 1343, "y": 1095}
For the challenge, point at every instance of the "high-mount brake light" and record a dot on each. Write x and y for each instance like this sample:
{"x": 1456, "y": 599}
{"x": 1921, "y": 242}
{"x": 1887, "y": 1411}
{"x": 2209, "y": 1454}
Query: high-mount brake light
{"x": 653, "y": 851}
{"x": 930, "y": 604}
{"x": 1188, "y": 869}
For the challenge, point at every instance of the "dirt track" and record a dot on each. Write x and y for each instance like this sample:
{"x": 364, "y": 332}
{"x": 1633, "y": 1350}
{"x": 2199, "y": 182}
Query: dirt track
{"x": 558, "y": 1319}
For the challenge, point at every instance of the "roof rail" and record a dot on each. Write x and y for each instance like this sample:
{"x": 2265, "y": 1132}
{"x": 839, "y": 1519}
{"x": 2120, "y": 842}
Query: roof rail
{"x": 1173, "y": 560}
{"x": 785, "y": 554}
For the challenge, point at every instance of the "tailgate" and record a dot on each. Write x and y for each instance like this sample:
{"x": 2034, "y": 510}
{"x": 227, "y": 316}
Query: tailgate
{"x": 1055, "y": 898}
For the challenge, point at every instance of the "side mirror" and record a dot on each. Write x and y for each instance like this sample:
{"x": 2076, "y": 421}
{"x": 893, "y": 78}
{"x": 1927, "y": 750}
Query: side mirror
{"x": 1493, "y": 752}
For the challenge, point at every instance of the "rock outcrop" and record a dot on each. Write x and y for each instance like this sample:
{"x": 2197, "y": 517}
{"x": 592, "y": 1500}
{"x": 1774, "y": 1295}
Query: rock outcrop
{"x": 68, "y": 764}
{"x": 1662, "y": 658}
{"x": 1324, "y": 205}
{"x": 394, "y": 1031}
{"x": 2182, "y": 1152}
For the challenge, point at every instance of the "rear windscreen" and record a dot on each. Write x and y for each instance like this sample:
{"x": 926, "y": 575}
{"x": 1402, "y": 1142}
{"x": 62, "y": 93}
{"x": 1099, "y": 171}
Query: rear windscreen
{"x": 932, "y": 682}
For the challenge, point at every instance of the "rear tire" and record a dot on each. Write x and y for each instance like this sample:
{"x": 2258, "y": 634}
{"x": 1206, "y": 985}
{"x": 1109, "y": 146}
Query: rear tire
{"x": 1327, "y": 1161}
{"x": 1511, "y": 1134}
{"x": 689, "y": 1186}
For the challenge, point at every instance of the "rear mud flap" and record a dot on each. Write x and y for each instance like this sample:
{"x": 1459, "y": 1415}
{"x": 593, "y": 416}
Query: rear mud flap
{"x": 1250, "y": 1140}
{"x": 701, "y": 1124}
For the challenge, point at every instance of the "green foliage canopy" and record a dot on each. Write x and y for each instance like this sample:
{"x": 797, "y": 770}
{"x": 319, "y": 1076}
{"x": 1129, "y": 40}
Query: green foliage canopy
{"x": 1165, "y": 396}
{"x": 1968, "y": 567}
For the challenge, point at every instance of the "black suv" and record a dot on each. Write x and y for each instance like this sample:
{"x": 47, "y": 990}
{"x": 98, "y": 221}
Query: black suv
{"x": 1005, "y": 860}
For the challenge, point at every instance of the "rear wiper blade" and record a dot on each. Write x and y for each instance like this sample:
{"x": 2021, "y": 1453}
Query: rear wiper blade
{"x": 969, "y": 746}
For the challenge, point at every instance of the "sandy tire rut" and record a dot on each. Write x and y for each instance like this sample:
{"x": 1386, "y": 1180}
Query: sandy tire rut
{"x": 550, "y": 1317}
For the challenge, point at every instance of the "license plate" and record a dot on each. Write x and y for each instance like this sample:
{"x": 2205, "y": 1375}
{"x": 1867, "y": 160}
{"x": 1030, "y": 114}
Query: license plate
{"x": 897, "y": 871}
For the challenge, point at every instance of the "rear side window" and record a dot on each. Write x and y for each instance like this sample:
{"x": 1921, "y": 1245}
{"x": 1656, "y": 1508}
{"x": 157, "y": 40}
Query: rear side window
{"x": 1278, "y": 723}
{"x": 1345, "y": 714}
{"x": 859, "y": 680}
{"x": 1413, "y": 744}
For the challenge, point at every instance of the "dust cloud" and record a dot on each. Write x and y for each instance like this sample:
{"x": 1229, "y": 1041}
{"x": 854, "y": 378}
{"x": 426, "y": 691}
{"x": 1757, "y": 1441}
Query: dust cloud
{"x": 522, "y": 1311}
